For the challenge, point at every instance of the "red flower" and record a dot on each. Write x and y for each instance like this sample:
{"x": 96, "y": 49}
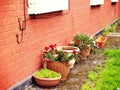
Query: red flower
{"x": 46, "y": 48}
{"x": 74, "y": 52}
{"x": 51, "y": 46}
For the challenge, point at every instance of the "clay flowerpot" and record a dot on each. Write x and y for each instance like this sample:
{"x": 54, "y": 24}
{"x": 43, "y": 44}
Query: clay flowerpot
{"x": 85, "y": 53}
{"x": 60, "y": 67}
{"x": 46, "y": 77}
{"x": 47, "y": 81}
{"x": 68, "y": 49}
{"x": 100, "y": 41}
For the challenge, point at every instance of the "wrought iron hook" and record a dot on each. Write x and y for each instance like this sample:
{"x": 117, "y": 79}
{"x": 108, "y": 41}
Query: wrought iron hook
{"x": 22, "y": 26}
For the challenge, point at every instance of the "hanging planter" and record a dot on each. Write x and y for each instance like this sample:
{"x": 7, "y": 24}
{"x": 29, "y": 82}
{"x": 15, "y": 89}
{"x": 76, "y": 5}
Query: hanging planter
{"x": 46, "y": 77}
{"x": 100, "y": 41}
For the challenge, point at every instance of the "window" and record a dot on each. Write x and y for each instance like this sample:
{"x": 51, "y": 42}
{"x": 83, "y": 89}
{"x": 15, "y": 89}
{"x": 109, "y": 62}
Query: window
{"x": 46, "y": 6}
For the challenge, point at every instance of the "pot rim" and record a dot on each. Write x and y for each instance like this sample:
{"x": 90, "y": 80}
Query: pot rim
{"x": 67, "y": 50}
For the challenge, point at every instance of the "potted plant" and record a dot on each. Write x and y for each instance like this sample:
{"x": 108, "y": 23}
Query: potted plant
{"x": 58, "y": 60}
{"x": 46, "y": 77}
{"x": 84, "y": 42}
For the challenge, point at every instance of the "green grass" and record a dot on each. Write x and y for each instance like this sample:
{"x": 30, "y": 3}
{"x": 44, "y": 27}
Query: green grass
{"x": 107, "y": 77}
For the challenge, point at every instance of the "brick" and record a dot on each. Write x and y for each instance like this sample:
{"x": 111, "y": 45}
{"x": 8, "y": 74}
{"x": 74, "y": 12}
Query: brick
{"x": 10, "y": 2}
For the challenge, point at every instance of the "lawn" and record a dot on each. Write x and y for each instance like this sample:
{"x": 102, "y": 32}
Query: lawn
{"x": 106, "y": 76}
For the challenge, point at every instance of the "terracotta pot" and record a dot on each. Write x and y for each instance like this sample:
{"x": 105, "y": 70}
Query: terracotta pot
{"x": 100, "y": 41}
{"x": 62, "y": 68}
{"x": 47, "y": 81}
{"x": 85, "y": 53}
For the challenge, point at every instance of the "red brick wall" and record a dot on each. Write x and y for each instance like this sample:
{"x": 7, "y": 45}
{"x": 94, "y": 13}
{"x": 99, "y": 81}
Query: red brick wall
{"x": 17, "y": 61}
{"x": 119, "y": 8}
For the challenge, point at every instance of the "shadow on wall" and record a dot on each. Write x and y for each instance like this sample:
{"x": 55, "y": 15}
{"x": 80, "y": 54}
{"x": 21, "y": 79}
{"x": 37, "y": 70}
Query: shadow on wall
{"x": 95, "y": 7}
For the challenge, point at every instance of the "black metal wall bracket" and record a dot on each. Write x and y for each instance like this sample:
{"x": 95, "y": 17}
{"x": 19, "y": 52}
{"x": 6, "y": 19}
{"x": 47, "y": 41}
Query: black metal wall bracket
{"x": 22, "y": 26}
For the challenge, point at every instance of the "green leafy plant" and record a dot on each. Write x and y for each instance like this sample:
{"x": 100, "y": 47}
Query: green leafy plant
{"x": 92, "y": 75}
{"x": 114, "y": 26}
{"x": 109, "y": 29}
{"x": 106, "y": 31}
{"x": 64, "y": 56}
{"x": 83, "y": 41}
{"x": 46, "y": 73}
{"x": 118, "y": 22}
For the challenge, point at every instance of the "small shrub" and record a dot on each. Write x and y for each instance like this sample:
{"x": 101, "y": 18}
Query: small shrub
{"x": 106, "y": 31}
{"x": 46, "y": 73}
{"x": 83, "y": 41}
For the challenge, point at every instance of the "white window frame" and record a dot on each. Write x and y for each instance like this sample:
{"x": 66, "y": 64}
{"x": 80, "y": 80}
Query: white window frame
{"x": 96, "y": 2}
{"x": 114, "y": 0}
{"x": 46, "y": 6}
